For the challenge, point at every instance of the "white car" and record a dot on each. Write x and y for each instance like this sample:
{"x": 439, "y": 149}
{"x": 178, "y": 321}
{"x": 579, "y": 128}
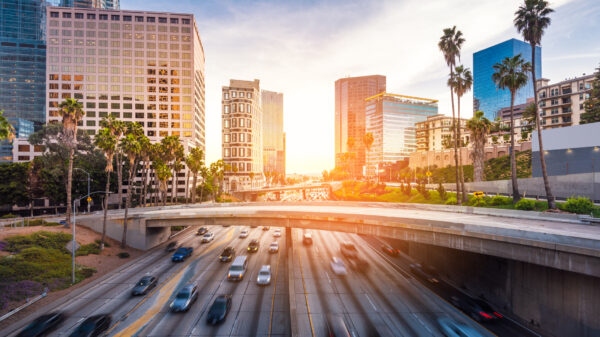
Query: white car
{"x": 264, "y": 275}
{"x": 243, "y": 234}
{"x": 338, "y": 266}
{"x": 208, "y": 237}
{"x": 277, "y": 233}
{"x": 274, "y": 247}
{"x": 451, "y": 328}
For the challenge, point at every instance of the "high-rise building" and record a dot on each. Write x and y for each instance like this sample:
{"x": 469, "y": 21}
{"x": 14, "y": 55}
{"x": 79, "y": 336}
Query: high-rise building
{"x": 486, "y": 95}
{"x": 561, "y": 104}
{"x": 22, "y": 64}
{"x": 391, "y": 119}
{"x": 145, "y": 67}
{"x": 273, "y": 136}
{"x": 350, "y": 95}
{"x": 242, "y": 141}
{"x": 104, "y": 4}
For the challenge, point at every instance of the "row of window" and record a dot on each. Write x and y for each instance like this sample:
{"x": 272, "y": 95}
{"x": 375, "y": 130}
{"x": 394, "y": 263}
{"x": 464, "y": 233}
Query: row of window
{"x": 237, "y": 122}
{"x": 237, "y": 137}
{"x": 128, "y": 106}
{"x": 115, "y": 26}
{"x": 138, "y": 115}
{"x": 235, "y": 94}
{"x": 117, "y": 35}
{"x": 238, "y": 152}
{"x": 149, "y": 63}
{"x": 101, "y": 69}
{"x": 116, "y": 17}
{"x": 237, "y": 107}
{"x": 240, "y": 166}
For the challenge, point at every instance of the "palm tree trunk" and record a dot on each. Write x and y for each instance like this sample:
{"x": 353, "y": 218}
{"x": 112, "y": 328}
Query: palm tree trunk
{"x": 173, "y": 185}
{"x": 128, "y": 203}
{"x": 164, "y": 199}
{"x": 187, "y": 187}
{"x": 459, "y": 139}
{"x": 458, "y": 198}
{"x": 120, "y": 178}
{"x": 106, "y": 190}
{"x": 513, "y": 157}
{"x": 202, "y": 190}
{"x": 194, "y": 182}
{"x": 142, "y": 198}
{"x": 549, "y": 195}
{"x": 69, "y": 186}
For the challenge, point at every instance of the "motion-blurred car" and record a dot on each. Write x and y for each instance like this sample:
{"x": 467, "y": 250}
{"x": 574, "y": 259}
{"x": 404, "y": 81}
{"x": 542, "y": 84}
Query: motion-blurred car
{"x": 93, "y": 326}
{"x": 477, "y": 309}
{"x": 338, "y": 267}
{"x": 171, "y": 246}
{"x": 389, "y": 250}
{"x": 202, "y": 231}
{"x": 243, "y": 234}
{"x": 182, "y": 253}
{"x": 274, "y": 247}
{"x": 253, "y": 246}
{"x": 450, "y": 328}
{"x": 227, "y": 255}
{"x": 144, "y": 285}
{"x": 336, "y": 326}
{"x": 307, "y": 239}
{"x": 424, "y": 272}
{"x": 348, "y": 250}
{"x": 358, "y": 264}
{"x": 219, "y": 309}
{"x": 277, "y": 232}
{"x": 266, "y": 228}
{"x": 208, "y": 237}
{"x": 264, "y": 275}
{"x": 42, "y": 325}
{"x": 184, "y": 298}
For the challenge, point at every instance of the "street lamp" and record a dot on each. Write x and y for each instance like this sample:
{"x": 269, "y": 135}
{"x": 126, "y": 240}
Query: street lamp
{"x": 88, "y": 183}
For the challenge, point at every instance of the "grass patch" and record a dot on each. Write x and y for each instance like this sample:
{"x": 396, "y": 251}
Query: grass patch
{"x": 33, "y": 223}
{"x": 90, "y": 248}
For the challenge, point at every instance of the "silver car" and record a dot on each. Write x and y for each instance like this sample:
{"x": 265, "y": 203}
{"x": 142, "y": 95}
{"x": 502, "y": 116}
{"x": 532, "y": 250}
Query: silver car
{"x": 274, "y": 247}
{"x": 264, "y": 275}
{"x": 184, "y": 298}
{"x": 208, "y": 237}
{"x": 338, "y": 266}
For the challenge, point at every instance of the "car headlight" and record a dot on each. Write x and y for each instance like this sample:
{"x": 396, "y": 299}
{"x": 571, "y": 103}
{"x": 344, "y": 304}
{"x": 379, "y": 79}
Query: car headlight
{"x": 228, "y": 275}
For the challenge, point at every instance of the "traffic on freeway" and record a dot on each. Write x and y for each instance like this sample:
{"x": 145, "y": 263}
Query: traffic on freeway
{"x": 236, "y": 281}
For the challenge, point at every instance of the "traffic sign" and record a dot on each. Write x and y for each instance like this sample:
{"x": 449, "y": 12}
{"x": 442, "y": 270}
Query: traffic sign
{"x": 89, "y": 199}
{"x": 478, "y": 194}
{"x": 428, "y": 173}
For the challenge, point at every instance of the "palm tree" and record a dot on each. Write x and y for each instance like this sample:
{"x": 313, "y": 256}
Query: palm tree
{"x": 351, "y": 142}
{"x": 146, "y": 149}
{"x": 106, "y": 141}
{"x": 163, "y": 174}
{"x": 117, "y": 128}
{"x": 130, "y": 145}
{"x": 531, "y": 19}
{"x": 205, "y": 174}
{"x": 194, "y": 162}
{"x": 368, "y": 142}
{"x": 450, "y": 44}
{"x": 6, "y": 129}
{"x": 461, "y": 81}
{"x": 72, "y": 112}
{"x": 511, "y": 74}
{"x": 480, "y": 128}
{"x": 172, "y": 150}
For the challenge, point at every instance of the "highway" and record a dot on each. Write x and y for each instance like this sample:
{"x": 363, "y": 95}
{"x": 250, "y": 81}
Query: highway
{"x": 378, "y": 300}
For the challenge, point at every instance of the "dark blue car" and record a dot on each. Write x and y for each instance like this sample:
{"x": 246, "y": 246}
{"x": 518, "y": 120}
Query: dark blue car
{"x": 182, "y": 253}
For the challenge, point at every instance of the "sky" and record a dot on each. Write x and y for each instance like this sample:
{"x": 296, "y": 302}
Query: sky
{"x": 300, "y": 48}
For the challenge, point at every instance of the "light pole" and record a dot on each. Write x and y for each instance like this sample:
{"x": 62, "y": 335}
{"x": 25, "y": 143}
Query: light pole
{"x": 88, "y": 183}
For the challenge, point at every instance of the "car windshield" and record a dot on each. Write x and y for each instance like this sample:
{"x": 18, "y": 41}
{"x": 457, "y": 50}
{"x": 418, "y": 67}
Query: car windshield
{"x": 264, "y": 273}
{"x": 181, "y": 251}
{"x": 143, "y": 282}
{"x": 207, "y": 235}
{"x": 183, "y": 294}
{"x": 87, "y": 326}
{"x": 236, "y": 268}
{"x": 349, "y": 246}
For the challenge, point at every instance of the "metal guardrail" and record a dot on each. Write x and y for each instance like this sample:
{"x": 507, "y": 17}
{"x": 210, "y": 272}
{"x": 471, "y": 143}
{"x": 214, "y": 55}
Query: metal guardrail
{"x": 29, "y": 302}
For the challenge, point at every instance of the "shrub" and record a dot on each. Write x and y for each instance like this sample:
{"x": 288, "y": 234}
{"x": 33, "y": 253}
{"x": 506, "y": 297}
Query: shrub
{"x": 595, "y": 214}
{"x": 525, "y": 205}
{"x": 42, "y": 239}
{"x": 97, "y": 241}
{"x": 123, "y": 255}
{"x": 451, "y": 201}
{"x": 499, "y": 200}
{"x": 51, "y": 224}
{"x": 423, "y": 191}
{"x": 84, "y": 273}
{"x": 442, "y": 192}
{"x": 579, "y": 205}
{"x": 90, "y": 248}
{"x": 8, "y": 216}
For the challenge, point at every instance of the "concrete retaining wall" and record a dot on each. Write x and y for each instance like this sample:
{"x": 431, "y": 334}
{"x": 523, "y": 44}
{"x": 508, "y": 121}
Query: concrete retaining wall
{"x": 138, "y": 236}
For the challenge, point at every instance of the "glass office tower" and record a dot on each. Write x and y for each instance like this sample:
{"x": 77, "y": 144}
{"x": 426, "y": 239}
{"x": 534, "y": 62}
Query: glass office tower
{"x": 22, "y": 64}
{"x": 486, "y": 96}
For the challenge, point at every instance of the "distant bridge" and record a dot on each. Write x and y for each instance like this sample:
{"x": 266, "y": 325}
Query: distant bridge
{"x": 252, "y": 195}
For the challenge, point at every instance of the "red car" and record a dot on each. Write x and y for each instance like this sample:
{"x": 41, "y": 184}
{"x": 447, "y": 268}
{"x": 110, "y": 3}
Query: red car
{"x": 389, "y": 250}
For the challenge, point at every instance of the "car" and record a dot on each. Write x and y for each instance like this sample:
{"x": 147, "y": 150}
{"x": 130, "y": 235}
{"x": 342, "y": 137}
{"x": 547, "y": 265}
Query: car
{"x": 451, "y": 328}
{"x": 93, "y": 326}
{"x": 338, "y": 266}
{"x": 208, "y": 237}
{"x": 202, "y": 231}
{"x": 244, "y": 234}
{"x": 274, "y": 247}
{"x": 171, "y": 246}
{"x": 389, "y": 250}
{"x": 277, "y": 233}
{"x": 348, "y": 249}
{"x": 184, "y": 298}
{"x": 359, "y": 265}
{"x": 182, "y": 253}
{"x": 227, "y": 255}
{"x": 237, "y": 270}
{"x": 253, "y": 246}
{"x": 307, "y": 239}
{"x": 336, "y": 326}
{"x": 144, "y": 285}
{"x": 42, "y": 325}
{"x": 264, "y": 275}
{"x": 63, "y": 222}
{"x": 424, "y": 272}
{"x": 219, "y": 309}
{"x": 477, "y": 309}
{"x": 266, "y": 228}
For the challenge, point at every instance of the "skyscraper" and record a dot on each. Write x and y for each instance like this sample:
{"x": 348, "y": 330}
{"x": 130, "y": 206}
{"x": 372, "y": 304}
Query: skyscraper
{"x": 104, "y": 4}
{"x": 350, "y": 95}
{"x": 22, "y": 65}
{"x": 391, "y": 119}
{"x": 242, "y": 142}
{"x": 486, "y": 96}
{"x": 273, "y": 136}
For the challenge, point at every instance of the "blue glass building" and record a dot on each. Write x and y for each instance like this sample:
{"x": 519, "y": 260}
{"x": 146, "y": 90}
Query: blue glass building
{"x": 486, "y": 96}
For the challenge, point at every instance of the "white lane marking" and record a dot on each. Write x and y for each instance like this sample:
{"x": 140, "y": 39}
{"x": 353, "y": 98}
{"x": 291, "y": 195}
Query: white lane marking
{"x": 328, "y": 278}
{"x": 372, "y": 304}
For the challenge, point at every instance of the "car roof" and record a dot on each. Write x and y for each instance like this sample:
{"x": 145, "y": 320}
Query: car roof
{"x": 265, "y": 267}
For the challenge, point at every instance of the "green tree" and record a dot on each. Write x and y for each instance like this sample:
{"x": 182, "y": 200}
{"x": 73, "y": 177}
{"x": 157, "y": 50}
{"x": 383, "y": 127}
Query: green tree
{"x": 511, "y": 74}
{"x": 71, "y": 112}
{"x": 106, "y": 141}
{"x": 163, "y": 174}
{"x": 461, "y": 82}
{"x": 480, "y": 128}
{"x": 146, "y": 149}
{"x": 14, "y": 183}
{"x": 117, "y": 128}
{"x": 592, "y": 104}
{"x": 531, "y": 20}
{"x": 450, "y": 44}
{"x": 173, "y": 154}
{"x": 195, "y": 162}
{"x": 6, "y": 129}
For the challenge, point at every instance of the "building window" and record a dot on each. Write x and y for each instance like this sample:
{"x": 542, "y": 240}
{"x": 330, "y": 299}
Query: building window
{"x": 162, "y": 20}
{"x": 53, "y": 14}
{"x": 185, "y": 21}
{"x": 103, "y": 16}
{"x": 227, "y": 139}
{"x": 115, "y": 17}
{"x": 174, "y": 21}
{"x": 66, "y": 15}
{"x": 151, "y": 19}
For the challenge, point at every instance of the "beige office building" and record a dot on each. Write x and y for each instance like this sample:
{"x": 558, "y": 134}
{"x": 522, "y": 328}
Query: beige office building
{"x": 242, "y": 142}
{"x": 273, "y": 136}
{"x": 561, "y": 104}
{"x": 433, "y": 133}
{"x": 145, "y": 67}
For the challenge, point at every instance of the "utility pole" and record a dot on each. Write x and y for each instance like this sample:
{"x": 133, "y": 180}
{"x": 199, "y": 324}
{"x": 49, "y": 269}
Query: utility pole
{"x": 88, "y": 185}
